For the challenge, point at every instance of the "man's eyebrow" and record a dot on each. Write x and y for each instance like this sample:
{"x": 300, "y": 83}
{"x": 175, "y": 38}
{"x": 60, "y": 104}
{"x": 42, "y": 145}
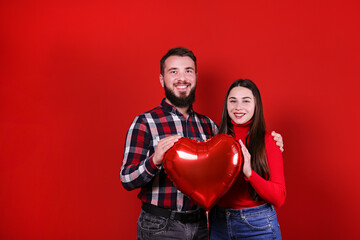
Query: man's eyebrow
{"x": 171, "y": 69}
{"x": 189, "y": 68}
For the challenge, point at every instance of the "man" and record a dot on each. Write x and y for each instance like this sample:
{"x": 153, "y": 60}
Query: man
{"x": 166, "y": 212}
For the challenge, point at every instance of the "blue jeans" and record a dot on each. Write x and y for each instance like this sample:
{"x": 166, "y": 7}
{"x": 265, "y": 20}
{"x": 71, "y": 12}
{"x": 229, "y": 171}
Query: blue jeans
{"x": 250, "y": 223}
{"x": 160, "y": 228}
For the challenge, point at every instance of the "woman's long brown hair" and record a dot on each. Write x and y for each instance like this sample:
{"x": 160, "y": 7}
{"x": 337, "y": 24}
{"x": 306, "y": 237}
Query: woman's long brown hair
{"x": 255, "y": 139}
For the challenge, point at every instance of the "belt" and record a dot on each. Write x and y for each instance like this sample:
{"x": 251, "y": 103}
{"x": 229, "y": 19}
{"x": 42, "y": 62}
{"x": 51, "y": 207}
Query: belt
{"x": 184, "y": 217}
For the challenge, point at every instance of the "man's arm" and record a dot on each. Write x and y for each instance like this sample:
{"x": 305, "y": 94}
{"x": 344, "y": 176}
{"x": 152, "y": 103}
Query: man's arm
{"x": 137, "y": 168}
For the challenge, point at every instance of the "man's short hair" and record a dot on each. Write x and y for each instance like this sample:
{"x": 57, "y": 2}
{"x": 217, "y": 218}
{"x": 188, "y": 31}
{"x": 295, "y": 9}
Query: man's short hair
{"x": 177, "y": 51}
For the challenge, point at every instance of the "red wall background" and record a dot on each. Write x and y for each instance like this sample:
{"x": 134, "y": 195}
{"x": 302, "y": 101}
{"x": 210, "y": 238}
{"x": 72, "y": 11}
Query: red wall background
{"x": 73, "y": 75}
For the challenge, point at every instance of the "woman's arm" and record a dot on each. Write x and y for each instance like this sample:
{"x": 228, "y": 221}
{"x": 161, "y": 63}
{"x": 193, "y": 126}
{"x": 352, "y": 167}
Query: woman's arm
{"x": 273, "y": 190}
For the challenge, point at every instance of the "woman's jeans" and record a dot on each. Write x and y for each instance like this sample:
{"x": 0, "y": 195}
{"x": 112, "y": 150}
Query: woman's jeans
{"x": 250, "y": 223}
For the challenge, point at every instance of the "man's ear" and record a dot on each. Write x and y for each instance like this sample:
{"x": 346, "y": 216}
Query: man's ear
{"x": 161, "y": 77}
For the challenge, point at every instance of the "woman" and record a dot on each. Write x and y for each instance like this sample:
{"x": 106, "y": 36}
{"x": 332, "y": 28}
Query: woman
{"x": 246, "y": 211}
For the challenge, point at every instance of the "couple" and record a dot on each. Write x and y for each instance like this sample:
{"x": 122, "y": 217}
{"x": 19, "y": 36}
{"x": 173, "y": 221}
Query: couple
{"x": 246, "y": 210}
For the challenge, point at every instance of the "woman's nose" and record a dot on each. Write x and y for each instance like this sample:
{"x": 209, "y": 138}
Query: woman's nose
{"x": 238, "y": 106}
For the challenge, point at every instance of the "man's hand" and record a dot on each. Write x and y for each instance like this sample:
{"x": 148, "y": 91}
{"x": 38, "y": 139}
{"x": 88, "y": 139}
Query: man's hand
{"x": 164, "y": 145}
{"x": 279, "y": 140}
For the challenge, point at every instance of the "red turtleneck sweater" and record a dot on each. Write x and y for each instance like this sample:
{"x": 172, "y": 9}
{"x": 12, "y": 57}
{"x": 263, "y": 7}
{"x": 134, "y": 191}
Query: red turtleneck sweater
{"x": 272, "y": 191}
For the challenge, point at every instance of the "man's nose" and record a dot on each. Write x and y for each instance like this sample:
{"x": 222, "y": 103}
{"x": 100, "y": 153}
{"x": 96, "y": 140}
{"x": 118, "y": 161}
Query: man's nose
{"x": 181, "y": 76}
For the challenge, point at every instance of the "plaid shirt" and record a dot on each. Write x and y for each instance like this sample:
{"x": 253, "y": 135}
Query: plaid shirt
{"x": 138, "y": 169}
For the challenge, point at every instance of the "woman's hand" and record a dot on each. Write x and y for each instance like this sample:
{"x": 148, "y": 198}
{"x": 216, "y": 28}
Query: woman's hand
{"x": 279, "y": 140}
{"x": 247, "y": 160}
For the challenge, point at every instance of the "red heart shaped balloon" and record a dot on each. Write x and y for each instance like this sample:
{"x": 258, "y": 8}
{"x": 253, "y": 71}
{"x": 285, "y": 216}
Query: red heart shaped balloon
{"x": 204, "y": 170}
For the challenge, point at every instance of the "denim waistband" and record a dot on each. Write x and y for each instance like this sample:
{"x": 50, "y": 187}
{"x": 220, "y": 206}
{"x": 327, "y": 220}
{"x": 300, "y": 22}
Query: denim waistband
{"x": 185, "y": 216}
{"x": 245, "y": 211}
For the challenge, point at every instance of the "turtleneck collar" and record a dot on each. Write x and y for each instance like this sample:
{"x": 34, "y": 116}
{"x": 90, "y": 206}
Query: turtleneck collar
{"x": 241, "y": 125}
{"x": 241, "y": 130}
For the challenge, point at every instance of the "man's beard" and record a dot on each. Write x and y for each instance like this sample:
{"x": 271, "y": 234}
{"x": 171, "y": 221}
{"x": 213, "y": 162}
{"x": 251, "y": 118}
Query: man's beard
{"x": 182, "y": 101}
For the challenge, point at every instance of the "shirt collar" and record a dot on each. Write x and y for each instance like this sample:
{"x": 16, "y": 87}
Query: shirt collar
{"x": 169, "y": 108}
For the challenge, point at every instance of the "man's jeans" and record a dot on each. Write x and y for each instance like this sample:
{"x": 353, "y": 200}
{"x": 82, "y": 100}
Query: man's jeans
{"x": 160, "y": 228}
